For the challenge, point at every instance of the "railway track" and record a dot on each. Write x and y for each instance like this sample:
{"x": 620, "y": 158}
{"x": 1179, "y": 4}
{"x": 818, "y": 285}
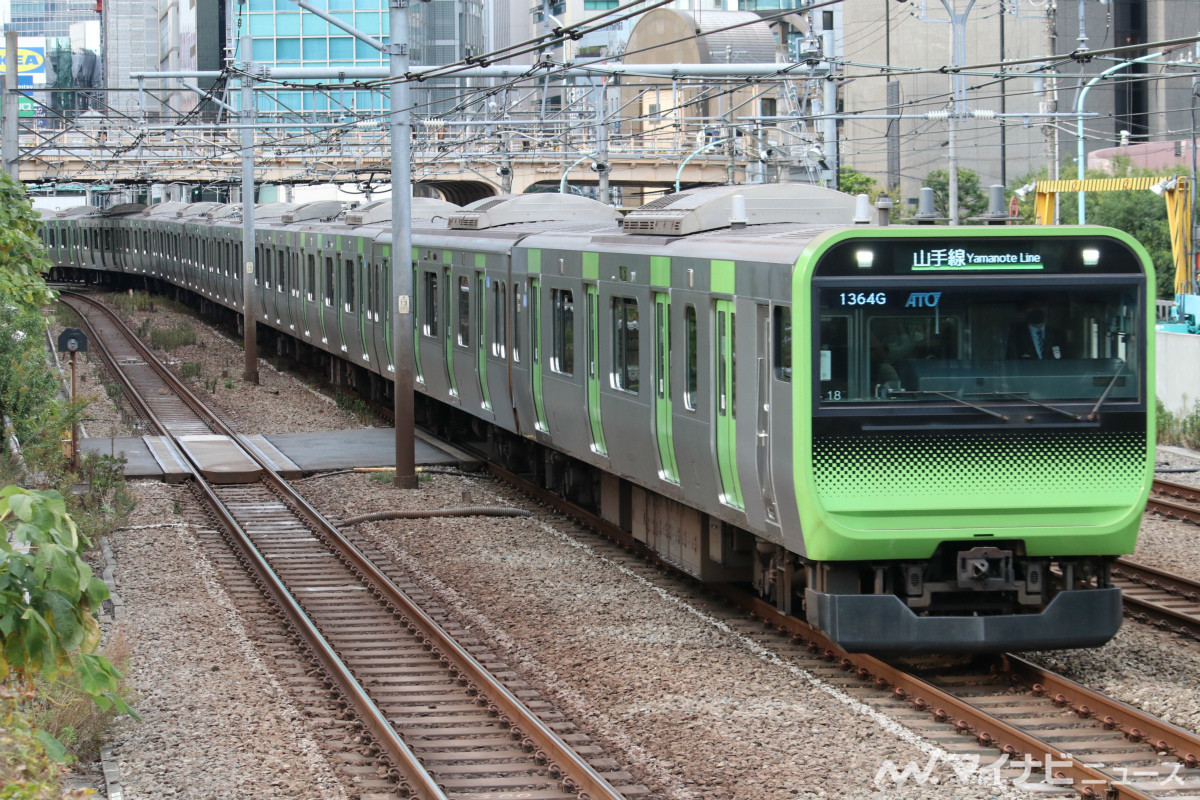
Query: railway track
{"x": 1001, "y": 717}
{"x": 1175, "y": 501}
{"x": 427, "y": 718}
{"x": 1015, "y": 719}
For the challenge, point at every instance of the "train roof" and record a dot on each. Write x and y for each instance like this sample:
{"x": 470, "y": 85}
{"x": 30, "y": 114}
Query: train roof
{"x": 541, "y": 207}
{"x": 380, "y": 211}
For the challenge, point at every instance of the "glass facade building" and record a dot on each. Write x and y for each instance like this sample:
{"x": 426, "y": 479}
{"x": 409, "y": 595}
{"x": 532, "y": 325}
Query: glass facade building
{"x": 441, "y": 32}
{"x": 51, "y": 18}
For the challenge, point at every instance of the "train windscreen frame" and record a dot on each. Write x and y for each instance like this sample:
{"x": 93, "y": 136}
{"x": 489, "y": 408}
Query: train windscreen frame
{"x": 978, "y": 322}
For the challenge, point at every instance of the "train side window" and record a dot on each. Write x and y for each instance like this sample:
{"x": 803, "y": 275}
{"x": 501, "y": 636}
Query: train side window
{"x": 500, "y": 318}
{"x": 691, "y": 334}
{"x": 281, "y": 270}
{"x": 348, "y": 296}
{"x": 268, "y": 266}
{"x": 385, "y": 288}
{"x": 430, "y": 315}
{"x": 464, "y": 311}
{"x": 626, "y": 350}
{"x": 329, "y": 285}
{"x": 369, "y": 278}
{"x": 562, "y": 355}
{"x": 312, "y": 275}
{"x": 782, "y": 343}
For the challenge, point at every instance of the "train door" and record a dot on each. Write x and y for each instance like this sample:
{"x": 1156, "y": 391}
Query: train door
{"x": 350, "y": 321}
{"x": 458, "y": 317}
{"x": 307, "y": 283}
{"x": 417, "y": 298}
{"x": 535, "y": 347}
{"x": 663, "y": 426}
{"x": 726, "y": 404}
{"x": 592, "y": 343}
{"x": 330, "y": 313}
{"x": 431, "y": 322}
{"x": 481, "y": 332}
{"x": 763, "y": 409}
{"x": 383, "y": 308}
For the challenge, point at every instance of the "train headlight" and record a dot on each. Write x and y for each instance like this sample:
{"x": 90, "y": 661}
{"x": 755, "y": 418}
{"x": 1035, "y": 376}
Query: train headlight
{"x": 864, "y": 258}
{"x": 1091, "y": 256}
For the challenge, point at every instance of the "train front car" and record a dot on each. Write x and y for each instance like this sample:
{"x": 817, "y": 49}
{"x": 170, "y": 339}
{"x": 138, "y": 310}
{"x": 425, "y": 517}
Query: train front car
{"x": 978, "y": 443}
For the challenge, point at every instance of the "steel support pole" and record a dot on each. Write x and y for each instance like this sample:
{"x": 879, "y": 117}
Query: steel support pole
{"x": 829, "y": 124}
{"x": 10, "y": 104}
{"x": 400, "y": 126}
{"x": 1080, "y": 154}
{"x": 604, "y": 195}
{"x": 249, "y": 307}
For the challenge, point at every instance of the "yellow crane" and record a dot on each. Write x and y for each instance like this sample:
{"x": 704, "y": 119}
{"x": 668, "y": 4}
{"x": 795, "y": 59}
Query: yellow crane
{"x": 1176, "y": 191}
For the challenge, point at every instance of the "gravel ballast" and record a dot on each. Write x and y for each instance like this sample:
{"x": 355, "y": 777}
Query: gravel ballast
{"x": 692, "y": 705}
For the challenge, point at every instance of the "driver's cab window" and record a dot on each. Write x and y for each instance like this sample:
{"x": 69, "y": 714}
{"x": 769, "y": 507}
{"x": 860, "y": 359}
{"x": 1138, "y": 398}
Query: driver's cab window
{"x": 833, "y": 366}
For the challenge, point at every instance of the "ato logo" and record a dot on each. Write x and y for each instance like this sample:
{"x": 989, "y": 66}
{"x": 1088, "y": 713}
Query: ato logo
{"x": 923, "y": 300}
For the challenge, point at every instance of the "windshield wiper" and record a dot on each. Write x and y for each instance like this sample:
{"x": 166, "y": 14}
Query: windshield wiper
{"x": 1107, "y": 389}
{"x": 1021, "y": 396}
{"x": 951, "y": 396}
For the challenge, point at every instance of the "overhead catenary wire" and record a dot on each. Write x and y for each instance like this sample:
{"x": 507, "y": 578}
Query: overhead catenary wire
{"x": 466, "y": 98}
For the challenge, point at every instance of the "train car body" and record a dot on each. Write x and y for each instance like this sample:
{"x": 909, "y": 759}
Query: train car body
{"x": 923, "y": 438}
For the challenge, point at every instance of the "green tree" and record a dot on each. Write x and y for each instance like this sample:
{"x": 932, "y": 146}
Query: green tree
{"x": 23, "y": 259}
{"x": 971, "y": 200}
{"x": 851, "y": 181}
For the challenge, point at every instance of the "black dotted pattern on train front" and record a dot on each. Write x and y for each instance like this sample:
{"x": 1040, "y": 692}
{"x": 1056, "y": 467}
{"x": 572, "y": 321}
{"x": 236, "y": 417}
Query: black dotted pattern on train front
{"x": 950, "y": 465}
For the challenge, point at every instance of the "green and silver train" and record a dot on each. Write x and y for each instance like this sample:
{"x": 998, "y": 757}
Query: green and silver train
{"x": 921, "y": 438}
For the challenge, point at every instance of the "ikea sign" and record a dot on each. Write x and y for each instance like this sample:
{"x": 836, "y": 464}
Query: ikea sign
{"x": 30, "y": 60}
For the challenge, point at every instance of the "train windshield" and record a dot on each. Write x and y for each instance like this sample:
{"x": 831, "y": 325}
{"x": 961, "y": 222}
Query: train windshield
{"x": 971, "y": 344}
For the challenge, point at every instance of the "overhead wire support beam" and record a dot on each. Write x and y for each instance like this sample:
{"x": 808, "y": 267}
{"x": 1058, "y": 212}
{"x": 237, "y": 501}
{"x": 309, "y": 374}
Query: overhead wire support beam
{"x": 513, "y": 72}
{"x": 206, "y": 96}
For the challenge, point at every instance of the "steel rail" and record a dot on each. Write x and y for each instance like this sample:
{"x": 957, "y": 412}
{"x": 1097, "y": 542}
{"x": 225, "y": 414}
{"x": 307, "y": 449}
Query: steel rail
{"x": 986, "y": 728}
{"x": 1151, "y": 580}
{"x": 1178, "y": 490}
{"x": 140, "y": 406}
{"x": 580, "y": 776}
{"x": 181, "y": 389}
{"x": 422, "y": 784}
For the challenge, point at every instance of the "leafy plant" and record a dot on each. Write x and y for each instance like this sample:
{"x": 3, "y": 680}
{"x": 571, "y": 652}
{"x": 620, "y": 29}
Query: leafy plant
{"x": 27, "y": 770}
{"x": 355, "y": 406}
{"x": 191, "y": 369}
{"x": 47, "y": 598}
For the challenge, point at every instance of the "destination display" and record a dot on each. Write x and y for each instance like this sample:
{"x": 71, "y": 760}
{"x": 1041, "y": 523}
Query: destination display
{"x": 1001, "y": 255}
